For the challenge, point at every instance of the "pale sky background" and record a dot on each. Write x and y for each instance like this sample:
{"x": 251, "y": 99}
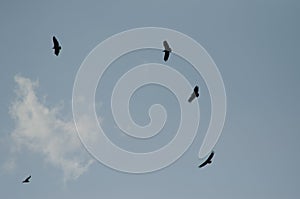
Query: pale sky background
{"x": 255, "y": 45}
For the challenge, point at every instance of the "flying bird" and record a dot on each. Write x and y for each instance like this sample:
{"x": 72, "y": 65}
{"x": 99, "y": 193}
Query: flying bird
{"x": 196, "y": 91}
{"x": 208, "y": 160}
{"x": 167, "y": 50}
{"x": 56, "y": 46}
{"x": 26, "y": 180}
{"x": 194, "y": 94}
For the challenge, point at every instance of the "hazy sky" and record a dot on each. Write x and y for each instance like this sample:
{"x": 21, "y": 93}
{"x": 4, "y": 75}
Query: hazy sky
{"x": 255, "y": 45}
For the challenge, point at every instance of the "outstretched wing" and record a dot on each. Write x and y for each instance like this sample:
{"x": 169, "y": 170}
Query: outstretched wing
{"x": 203, "y": 164}
{"x": 166, "y": 46}
{"x": 211, "y": 156}
{"x": 166, "y": 56}
{"x": 192, "y": 97}
{"x": 27, "y": 179}
{"x": 55, "y": 42}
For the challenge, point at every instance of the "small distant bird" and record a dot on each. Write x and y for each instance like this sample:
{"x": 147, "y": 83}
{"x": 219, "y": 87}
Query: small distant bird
{"x": 194, "y": 94}
{"x": 208, "y": 160}
{"x": 26, "y": 180}
{"x": 56, "y": 46}
{"x": 167, "y": 50}
{"x": 196, "y": 91}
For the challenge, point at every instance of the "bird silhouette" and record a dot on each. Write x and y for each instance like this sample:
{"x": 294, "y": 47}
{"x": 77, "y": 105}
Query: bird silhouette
{"x": 26, "y": 180}
{"x": 56, "y": 46}
{"x": 208, "y": 160}
{"x": 194, "y": 94}
{"x": 167, "y": 50}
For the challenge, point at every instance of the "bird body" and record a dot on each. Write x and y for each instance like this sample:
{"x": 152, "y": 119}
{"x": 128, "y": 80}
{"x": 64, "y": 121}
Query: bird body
{"x": 208, "y": 160}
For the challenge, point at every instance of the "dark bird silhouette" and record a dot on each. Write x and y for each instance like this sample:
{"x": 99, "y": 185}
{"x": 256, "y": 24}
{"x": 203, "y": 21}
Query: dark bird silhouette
{"x": 196, "y": 91}
{"x": 26, "y": 180}
{"x": 194, "y": 94}
{"x": 167, "y": 50}
{"x": 208, "y": 160}
{"x": 56, "y": 46}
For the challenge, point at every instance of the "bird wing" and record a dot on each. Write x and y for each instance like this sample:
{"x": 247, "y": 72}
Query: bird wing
{"x": 203, "y": 164}
{"x": 193, "y": 95}
{"x": 27, "y": 179}
{"x": 211, "y": 156}
{"x": 55, "y": 42}
{"x": 167, "y": 54}
{"x": 166, "y": 46}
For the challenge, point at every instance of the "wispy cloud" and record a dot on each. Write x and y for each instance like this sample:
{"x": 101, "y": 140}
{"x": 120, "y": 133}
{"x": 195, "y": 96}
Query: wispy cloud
{"x": 42, "y": 130}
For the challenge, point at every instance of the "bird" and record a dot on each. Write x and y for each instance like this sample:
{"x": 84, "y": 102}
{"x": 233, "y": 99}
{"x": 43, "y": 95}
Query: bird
{"x": 167, "y": 50}
{"x": 196, "y": 91}
{"x": 194, "y": 94}
{"x": 26, "y": 180}
{"x": 208, "y": 160}
{"x": 56, "y": 46}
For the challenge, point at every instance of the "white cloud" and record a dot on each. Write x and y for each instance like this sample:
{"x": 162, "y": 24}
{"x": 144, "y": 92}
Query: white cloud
{"x": 40, "y": 129}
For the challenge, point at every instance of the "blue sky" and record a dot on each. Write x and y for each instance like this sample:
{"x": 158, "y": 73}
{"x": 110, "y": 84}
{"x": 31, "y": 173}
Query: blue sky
{"x": 255, "y": 45}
